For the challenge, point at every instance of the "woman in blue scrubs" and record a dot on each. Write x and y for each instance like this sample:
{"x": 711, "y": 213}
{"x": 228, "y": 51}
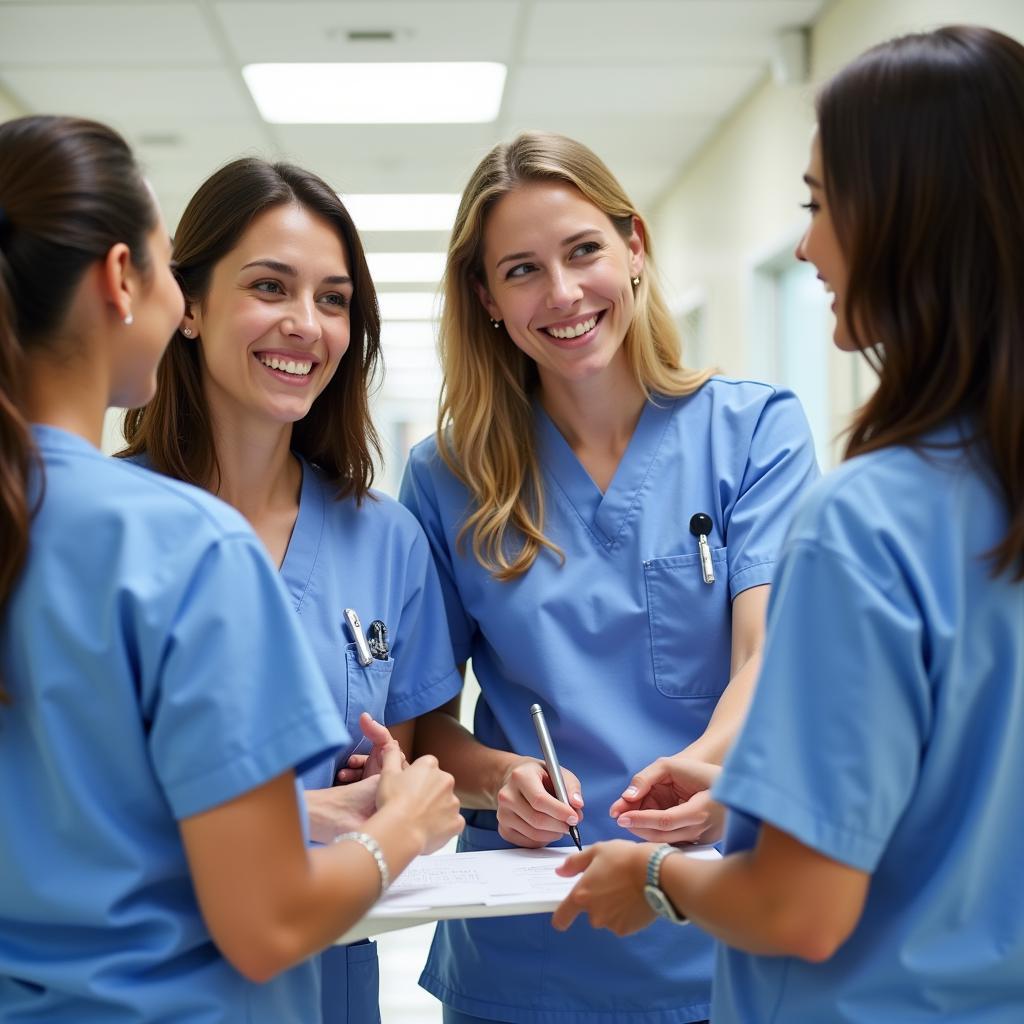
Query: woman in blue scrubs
{"x": 874, "y": 790}
{"x": 574, "y": 452}
{"x": 262, "y": 399}
{"x": 152, "y": 855}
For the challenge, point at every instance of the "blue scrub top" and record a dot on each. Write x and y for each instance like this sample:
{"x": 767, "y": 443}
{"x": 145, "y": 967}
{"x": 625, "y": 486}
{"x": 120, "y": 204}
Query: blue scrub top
{"x": 628, "y": 651}
{"x": 143, "y": 647}
{"x": 887, "y": 732}
{"x": 373, "y": 558}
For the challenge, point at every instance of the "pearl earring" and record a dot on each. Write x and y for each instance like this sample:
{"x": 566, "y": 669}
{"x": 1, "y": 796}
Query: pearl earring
{"x": 128, "y": 320}
{"x": 636, "y": 280}
{"x": 495, "y": 323}
{"x": 187, "y": 331}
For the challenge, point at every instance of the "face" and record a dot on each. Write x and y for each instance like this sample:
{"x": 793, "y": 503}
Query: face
{"x": 559, "y": 276}
{"x": 820, "y": 247}
{"x": 274, "y": 324}
{"x": 155, "y": 313}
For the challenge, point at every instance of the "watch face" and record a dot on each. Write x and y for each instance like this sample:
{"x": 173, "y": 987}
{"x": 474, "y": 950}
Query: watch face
{"x": 656, "y": 901}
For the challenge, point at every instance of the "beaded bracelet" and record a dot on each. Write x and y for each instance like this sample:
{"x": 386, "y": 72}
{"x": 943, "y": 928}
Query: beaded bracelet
{"x": 373, "y": 847}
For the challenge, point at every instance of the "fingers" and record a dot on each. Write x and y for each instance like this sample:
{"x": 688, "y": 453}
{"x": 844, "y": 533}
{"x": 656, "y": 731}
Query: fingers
{"x": 640, "y": 784}
{"x": 576, "y": 862}
{"x": 567, "y": 911}
{"x": 373, "y": 730}
{"x": 392, "y": 760}
{"x": 684, "y": 823}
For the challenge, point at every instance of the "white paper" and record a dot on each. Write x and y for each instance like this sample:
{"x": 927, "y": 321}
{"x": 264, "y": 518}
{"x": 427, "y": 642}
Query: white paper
{"x": 484, "y": 883}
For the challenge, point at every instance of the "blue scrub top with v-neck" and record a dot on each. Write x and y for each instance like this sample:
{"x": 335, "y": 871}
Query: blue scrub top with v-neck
{"x": 887, "y": 733}
{"x": 144, "y": 647}
{"x": 628, "y": 650}
{"x": 373, "y": 558}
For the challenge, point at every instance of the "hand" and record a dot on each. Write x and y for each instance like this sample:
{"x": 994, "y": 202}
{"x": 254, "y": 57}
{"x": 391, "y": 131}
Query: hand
{"x": 611, "y": 889}
{"x": 363, "y": 766}
{"x": 425, "y": 794}
{"x": 340, "y": 808}
{"x": 668, "y": 802}
{"x": 528, "y": 814}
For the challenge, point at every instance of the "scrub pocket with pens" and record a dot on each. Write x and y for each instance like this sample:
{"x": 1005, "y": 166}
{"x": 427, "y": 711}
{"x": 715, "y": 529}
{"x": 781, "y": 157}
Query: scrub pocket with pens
{"x": 690, "y": 624}
{"x": 367, "y": 690}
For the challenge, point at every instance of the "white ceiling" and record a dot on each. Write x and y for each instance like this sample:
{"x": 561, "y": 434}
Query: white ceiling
{"x": 645, "y": 83}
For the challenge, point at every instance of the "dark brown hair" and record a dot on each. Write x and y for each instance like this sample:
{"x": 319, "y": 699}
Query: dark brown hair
{"x": 924, "y": 174}
{"x": 174, "y": 430}
{"x": 69, "y": 191}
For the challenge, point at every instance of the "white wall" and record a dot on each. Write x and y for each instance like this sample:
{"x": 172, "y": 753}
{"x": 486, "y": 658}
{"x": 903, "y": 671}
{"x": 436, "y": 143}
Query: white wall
{"x": 737, "y": 203}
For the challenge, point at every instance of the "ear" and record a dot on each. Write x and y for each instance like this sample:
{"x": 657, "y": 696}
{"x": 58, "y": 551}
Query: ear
{"x": 486, "y": 301}
{"x": 637, "y": 245}
{"x": 119, "y": 280}
{"x": 191, "y": 321}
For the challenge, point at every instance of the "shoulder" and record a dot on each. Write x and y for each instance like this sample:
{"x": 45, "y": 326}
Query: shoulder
{"x": 738, "y": 405}
{"x": 879, "y": 508}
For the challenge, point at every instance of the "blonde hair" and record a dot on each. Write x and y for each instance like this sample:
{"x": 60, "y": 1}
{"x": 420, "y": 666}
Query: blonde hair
{"x": 485, "y": 421}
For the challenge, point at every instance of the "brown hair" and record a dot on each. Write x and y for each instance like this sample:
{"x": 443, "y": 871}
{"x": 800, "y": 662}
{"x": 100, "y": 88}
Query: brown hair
{"x": 485, "y": 423}
{"x": 924, "y": 175}
{"x": 69, "y": 191}
{"x": 174, "y": 430}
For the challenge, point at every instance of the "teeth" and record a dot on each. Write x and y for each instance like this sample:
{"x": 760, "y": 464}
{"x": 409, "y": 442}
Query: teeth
{"x": 300, "y": 368}
{"x": 573, "y": 332}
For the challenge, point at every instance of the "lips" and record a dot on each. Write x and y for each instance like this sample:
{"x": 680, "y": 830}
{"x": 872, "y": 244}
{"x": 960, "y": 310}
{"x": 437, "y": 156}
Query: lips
{"x": 573, "y": 330}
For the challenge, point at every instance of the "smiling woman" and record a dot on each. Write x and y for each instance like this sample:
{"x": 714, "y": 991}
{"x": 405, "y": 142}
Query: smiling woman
{"x": 263, "y": 400}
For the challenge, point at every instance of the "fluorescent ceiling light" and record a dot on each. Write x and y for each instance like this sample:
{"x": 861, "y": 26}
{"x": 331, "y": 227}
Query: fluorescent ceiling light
{"x": 397, "y": 93}
{"x": 433, "y": 211}
{"x": 406, "y": 267}
{"x": 409, "y": 305}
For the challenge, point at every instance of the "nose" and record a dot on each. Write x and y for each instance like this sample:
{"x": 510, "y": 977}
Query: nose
{"x": 563, "y": 289}
{"x": 800, "y": 252}
{"x": 300, "y": 321}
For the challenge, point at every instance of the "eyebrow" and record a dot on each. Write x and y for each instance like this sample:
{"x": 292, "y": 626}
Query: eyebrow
{"x": 813, "y": 182}
{"x": 565, "y": 241}
{"x": 289, "y": 271}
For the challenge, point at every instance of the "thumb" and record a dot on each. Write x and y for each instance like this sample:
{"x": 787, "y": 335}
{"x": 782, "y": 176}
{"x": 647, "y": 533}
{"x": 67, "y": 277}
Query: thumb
{"x": 376, "y": 733}
{"x": 641, "y": 783}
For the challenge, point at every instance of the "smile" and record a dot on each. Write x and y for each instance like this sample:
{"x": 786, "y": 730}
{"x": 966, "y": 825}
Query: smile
{"x": 292, "y": 367}
{"x": 576, "y": 330}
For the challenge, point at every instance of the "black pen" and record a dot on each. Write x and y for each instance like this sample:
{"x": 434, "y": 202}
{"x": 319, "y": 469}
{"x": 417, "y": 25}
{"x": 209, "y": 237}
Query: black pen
{"x": 551, "y": 761}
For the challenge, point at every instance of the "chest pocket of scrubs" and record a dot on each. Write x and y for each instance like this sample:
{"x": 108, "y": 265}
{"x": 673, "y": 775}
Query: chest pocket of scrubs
{"x": 367, "y": 690}
{"x": 690, "y": 623}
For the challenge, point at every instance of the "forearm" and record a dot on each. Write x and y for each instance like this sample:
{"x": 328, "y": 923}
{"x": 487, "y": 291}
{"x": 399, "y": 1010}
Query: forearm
{"x": 479, "y": 771}
{"x": 725, "y": 722}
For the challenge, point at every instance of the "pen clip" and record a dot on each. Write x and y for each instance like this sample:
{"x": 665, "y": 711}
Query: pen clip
{"x": 355, "y": 627}
{"x": 700, "y": 527}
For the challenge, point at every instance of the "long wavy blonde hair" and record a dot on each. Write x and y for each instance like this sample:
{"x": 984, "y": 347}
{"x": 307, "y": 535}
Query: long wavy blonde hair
{"x": 485, "y": 429}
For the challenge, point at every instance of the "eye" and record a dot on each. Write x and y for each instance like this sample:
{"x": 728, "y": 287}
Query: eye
{"x": 268, "y": 287}
{"x": 812, "y": 207}
{"x": 586, "y": 249}
{"x": 337, "y": 299}
{"x": 521, "y": 270}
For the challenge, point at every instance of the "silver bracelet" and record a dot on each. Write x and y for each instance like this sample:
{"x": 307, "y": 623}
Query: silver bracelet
{"x": 373, "y": 847}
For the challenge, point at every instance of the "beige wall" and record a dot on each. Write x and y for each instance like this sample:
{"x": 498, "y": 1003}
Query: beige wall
{"x": 737, "y": 203}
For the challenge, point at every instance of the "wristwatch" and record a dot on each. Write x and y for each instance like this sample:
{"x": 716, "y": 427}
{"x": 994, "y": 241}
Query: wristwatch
{"x": 656, "y": 897}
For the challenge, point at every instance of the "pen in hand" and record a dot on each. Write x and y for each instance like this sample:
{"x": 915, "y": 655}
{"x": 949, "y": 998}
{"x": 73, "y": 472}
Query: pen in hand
{"x": 547, "y": 748}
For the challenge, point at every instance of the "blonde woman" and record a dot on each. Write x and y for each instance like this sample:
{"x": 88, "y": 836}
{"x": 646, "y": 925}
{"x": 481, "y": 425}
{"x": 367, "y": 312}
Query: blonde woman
{"x": 574, "y": 456}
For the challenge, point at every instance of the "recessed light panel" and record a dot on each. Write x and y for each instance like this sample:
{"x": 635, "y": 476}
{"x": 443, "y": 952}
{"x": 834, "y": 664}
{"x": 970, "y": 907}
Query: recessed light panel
{"x": 396, "y": 93}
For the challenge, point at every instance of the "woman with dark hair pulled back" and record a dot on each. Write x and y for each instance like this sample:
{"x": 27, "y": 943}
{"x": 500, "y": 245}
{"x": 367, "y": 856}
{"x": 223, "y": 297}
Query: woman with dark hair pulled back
{"x": 153, "y": 862}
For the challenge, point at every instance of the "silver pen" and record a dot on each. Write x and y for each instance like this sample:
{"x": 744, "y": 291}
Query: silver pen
{"x": 363, "y": 655}
{"x": 551, "y": 761}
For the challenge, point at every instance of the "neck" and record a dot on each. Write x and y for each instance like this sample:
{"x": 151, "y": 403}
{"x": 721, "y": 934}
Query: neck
{"x": 599, "y": 413}
{"x": 258, "y": 474}
{"x": 70, "y": 393}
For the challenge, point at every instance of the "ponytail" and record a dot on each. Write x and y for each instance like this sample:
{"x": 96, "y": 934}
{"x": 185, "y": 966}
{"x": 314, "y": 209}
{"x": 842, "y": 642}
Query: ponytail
{"x": 69, "y": 191}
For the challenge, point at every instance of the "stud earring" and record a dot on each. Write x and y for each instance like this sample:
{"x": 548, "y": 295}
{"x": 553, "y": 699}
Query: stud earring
{"x": 187, "y": 331}
{"x": 636, "y": 281}
{"x": 128, "y": 320}
{"x": 495, "y": 323}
